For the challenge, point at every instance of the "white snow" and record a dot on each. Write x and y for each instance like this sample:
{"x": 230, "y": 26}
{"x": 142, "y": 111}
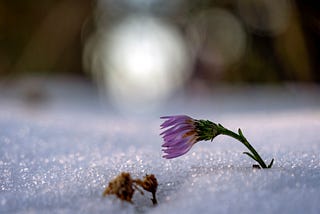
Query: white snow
{"x": 58, "y": 155}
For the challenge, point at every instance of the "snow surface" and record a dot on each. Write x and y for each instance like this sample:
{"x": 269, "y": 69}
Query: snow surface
{"x": 59, "y": 153}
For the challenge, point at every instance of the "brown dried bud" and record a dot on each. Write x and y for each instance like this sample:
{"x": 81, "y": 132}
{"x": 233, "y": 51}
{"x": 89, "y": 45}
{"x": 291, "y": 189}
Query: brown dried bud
{"x": 121, "y": 186}
{"x": 150, "y": 184}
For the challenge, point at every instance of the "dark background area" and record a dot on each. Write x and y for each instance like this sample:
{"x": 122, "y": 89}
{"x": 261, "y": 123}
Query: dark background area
{"x": 47, "y": 38}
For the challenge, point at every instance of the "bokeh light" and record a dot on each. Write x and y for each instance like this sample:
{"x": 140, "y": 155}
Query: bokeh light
{"x": 141, "y": 60}
{"x": 217, "y": 39}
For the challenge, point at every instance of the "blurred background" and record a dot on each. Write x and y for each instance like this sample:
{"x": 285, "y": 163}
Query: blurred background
{"x": 138, "y": 52}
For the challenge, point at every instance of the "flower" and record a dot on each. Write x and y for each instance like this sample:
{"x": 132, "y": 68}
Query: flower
{"x": 179, "y": 136}
{"x": 182, "y": 132}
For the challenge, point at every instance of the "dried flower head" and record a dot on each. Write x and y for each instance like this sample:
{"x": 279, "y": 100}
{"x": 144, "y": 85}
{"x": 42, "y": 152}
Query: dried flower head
{"x": 150, "y": 184}
{"x": 182, "y": 132}
{"x": 121, "y": 186}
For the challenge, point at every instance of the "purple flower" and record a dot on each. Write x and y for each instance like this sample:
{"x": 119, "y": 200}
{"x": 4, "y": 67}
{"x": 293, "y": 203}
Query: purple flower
{"x": 182, "y": 132}
{"x": 180, "y": 135}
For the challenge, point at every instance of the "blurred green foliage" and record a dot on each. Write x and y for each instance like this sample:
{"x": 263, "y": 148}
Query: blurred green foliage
{"x": 41, "y": 37}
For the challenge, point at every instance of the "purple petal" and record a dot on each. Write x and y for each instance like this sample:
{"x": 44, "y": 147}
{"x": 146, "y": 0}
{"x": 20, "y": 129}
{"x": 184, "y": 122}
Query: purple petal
{"x": 175, "y": 142}
{"x": 176, "y": 149}
{"x": 177, "y": 137}
{"x": 174, "y": 116}
{"x": 177, "y": 154}
{"x": 177, "y": 134}
{"x": 179, "y": 144}
{"x": 174, "y": 119}
{"x": 178, "y": 128}
{"x": 179, "y": 147}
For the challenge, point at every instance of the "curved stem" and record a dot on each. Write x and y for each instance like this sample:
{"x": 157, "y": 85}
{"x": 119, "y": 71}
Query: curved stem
{"x": 254, "y": 154}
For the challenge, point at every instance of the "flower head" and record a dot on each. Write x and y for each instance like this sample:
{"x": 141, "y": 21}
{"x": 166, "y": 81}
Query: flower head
{"x": 150, "y": 184}
{"x": 121, "y": 186}
{"x": 182, "y": 132}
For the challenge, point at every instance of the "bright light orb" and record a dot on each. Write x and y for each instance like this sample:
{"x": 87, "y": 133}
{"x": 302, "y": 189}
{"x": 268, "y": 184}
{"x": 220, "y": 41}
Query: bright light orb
{"x": 145, "y": 60}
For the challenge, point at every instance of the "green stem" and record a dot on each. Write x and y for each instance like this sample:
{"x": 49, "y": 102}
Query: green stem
{"x": 254, "y": 154}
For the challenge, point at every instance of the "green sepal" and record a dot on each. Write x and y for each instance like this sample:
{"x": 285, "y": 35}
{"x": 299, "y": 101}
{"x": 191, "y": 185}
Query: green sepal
{"x": 206, "y": 130}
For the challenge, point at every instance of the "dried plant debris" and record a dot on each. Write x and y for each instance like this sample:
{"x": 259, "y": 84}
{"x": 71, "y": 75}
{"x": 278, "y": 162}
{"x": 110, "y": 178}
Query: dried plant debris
{"x": 150, "y": 184}
{"x": 123, "y": 186}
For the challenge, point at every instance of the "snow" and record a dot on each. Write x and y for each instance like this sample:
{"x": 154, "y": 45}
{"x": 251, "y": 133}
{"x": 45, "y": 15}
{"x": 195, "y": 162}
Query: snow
{"x": 57, "y": 155}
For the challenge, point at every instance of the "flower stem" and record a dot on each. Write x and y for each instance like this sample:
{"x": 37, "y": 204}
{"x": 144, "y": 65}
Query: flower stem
{"x": 254, "y": 154}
